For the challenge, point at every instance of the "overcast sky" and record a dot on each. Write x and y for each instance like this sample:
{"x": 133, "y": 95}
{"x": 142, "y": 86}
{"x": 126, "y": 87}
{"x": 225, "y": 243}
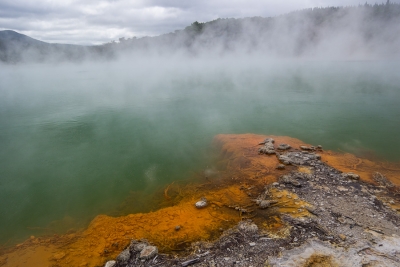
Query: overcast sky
{"x": 101, "y": 21}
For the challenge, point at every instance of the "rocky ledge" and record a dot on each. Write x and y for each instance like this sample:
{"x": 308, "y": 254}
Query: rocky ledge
{"x": 349, "y": 222}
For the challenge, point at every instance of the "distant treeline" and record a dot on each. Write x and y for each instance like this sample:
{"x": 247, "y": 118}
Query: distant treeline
{"x": 364, "y": 31}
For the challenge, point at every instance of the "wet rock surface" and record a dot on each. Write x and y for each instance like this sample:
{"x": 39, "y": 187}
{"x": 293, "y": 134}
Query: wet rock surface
{"x": 347, "y": 225}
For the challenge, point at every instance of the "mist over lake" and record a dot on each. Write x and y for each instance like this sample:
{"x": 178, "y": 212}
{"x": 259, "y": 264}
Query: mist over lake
{"x": 77, "y": 140}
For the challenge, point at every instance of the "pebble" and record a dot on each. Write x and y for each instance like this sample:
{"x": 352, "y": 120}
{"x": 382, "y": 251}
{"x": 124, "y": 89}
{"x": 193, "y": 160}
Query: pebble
{"x": 280, "y": 167}
{"x": 202, "y": 203}
{"x": 177, "y": 228}
{"x": 252, "y": 244}
{"x": 342, "y": 236}
{"x": 342, "y": 189}
{"x": 110, "y": 264}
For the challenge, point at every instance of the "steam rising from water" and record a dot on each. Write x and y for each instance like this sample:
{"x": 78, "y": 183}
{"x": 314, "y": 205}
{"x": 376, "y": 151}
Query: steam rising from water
{"x": 76, "y": 138}
{"x": 150, "y": 174}
{"x": 352, "y": 33}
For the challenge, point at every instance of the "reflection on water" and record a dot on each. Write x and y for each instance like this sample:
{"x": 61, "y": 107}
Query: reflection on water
{"x": 77, "y": 141}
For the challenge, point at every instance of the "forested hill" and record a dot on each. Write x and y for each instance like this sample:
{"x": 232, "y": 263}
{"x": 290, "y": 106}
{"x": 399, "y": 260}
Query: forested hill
{"x": 360, "y": 32}
{"x": 16, "y": 47}
{"x": 344, "y": 32}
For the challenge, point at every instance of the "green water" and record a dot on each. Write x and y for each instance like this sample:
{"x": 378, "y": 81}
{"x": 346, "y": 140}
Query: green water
{"x": 79, "y": 140}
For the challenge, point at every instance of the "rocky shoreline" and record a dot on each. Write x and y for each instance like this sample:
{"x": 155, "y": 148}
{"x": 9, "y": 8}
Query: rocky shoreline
{"x": 336, "y": 220}
{"x": 270, "y": 201}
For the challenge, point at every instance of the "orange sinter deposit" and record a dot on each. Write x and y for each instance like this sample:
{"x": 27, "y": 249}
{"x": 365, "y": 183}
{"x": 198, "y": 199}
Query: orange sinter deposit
{"x": 366, "y": 168}
{"x": 230, "y": 193}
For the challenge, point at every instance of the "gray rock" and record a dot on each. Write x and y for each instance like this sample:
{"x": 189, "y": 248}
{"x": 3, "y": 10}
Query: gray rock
{"x": 269, "y": 140}
{"x": 110, "y": 264}
{"x": 124, "y": 256}
{"x": 148, "y": 252}
{"x": 280, "y": 167}
{"x": 266, "y": 150}
{"x": 177, "y": 228}
{"x": 382, "y": 180}
{"x": 351, "y": 175}
{"x": 248, "y": 227}
{"x": 284, "y": 159}
{"x": 202, "y": 203}
{"x": 284, "y": 147}
{"x": 139, "y": 247}
{"x": 268, "y": 147}
{"x": 287, "y": 179}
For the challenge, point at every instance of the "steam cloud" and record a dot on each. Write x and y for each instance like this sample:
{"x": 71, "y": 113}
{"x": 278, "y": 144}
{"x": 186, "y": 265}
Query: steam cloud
{"x": 352, "y": 33}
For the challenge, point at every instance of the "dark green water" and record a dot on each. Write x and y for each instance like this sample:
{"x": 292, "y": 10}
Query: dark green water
{"x": 76, "y": 140}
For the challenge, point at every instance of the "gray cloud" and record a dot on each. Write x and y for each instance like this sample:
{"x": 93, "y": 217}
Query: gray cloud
{"x": 95, "y": 22}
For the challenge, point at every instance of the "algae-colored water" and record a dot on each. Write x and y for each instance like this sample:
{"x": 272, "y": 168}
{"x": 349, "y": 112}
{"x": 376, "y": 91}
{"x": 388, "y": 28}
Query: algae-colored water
{"x": 81, "y": 140}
